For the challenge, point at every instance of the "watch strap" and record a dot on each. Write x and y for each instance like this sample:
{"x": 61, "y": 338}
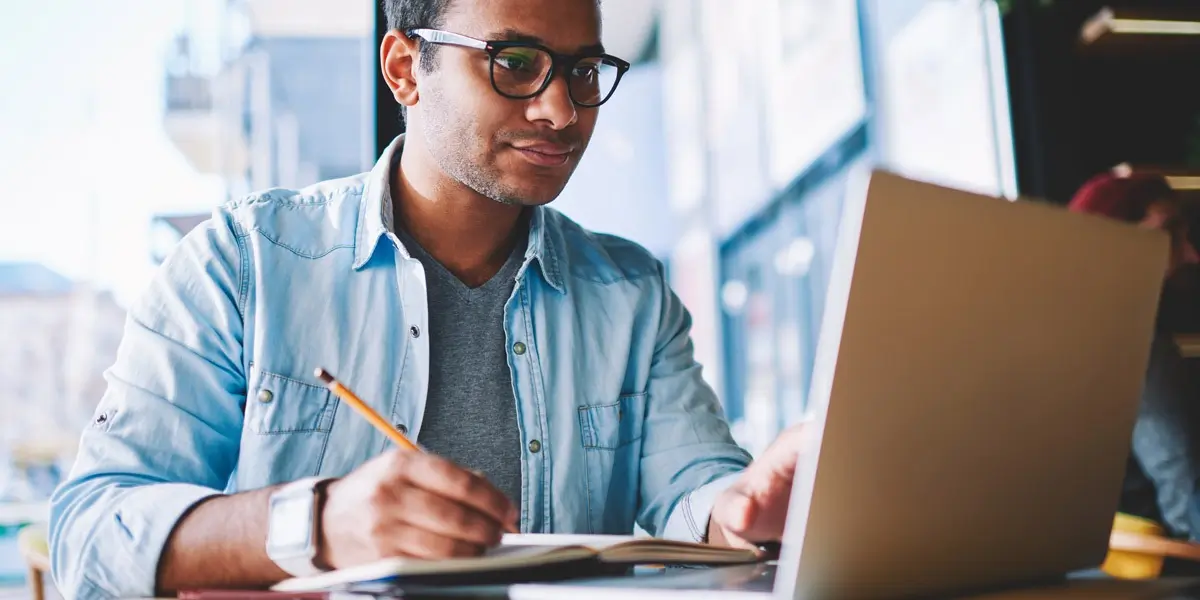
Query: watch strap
{"x": 301, "y": 564}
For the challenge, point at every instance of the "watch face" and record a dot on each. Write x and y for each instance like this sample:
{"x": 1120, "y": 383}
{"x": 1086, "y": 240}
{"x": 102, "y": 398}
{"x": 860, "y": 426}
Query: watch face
{"x": 291, "y": 521}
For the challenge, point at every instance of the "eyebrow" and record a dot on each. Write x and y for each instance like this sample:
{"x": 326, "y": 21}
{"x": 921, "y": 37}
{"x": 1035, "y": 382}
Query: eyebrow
{"x": 513, "y": 35}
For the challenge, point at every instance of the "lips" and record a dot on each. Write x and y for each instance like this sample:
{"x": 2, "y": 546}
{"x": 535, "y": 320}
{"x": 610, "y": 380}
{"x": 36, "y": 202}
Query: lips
{"x": 545, "y": 154}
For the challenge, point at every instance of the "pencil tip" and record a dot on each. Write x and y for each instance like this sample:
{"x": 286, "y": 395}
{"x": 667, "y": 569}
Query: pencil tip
{"x": 323, "y": 375}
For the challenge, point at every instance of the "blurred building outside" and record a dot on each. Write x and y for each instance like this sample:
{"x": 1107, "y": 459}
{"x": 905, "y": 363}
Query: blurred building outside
{"x": 61, "y": 336}
{"x": 235, "y": 97}
{"x": 280, "y": 95}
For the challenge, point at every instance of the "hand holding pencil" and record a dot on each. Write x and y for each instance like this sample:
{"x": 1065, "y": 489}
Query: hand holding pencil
{"x": 407, "y": 502}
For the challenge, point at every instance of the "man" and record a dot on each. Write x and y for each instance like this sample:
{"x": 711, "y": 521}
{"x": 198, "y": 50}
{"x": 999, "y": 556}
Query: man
{"x": 548, "y": 369}
{"x": 1164, "y": 466}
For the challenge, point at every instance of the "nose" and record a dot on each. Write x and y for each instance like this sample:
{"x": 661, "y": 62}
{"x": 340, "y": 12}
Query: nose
{"x": 553, "y": 106}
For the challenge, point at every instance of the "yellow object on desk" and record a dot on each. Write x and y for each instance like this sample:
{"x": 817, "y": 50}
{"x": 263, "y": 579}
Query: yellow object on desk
{"x": 1129, "y": 564}
{"x": 1137, "y": 548}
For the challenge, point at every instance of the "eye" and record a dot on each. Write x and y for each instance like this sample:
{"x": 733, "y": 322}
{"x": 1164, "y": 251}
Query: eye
{"x": 517, "y": 59}
{"x": 586, "y": 71}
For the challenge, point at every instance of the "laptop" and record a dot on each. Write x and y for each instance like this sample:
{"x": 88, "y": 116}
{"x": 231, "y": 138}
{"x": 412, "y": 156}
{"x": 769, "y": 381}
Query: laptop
{"x": 975, "y": 387}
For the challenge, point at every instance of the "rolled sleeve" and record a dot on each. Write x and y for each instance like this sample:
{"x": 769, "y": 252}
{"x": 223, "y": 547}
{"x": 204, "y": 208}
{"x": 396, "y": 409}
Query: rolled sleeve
{"x": 122, "y": 552}
{"x": 166, "y": 433}
{"x": 688, "y": 453}
{"x": 689, "y": 520}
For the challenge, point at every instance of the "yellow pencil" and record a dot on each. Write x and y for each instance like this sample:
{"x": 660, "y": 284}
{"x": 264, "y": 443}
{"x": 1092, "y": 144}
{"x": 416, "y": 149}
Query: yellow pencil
{"x": 366, "y": 411}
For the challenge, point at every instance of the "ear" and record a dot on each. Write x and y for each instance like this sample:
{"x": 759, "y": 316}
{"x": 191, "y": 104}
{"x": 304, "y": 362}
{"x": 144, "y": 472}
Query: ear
{"x": 398, "y": 55}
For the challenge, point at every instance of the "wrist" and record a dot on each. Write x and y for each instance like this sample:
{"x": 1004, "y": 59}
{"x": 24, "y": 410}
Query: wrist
{"x": 322, "y": 560}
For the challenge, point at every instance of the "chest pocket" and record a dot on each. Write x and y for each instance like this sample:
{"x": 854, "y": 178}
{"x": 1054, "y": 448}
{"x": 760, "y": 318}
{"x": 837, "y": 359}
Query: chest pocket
{"x": 613, "y": 426}
{"x": 611, "y": 435}
{"x": 286, "y": 430}
{"x": 279, "y": 404}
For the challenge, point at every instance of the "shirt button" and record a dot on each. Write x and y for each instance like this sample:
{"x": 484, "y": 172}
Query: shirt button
{"x": 401, "y": 428}
{"x": 535, "y": 446}
{"x": 519, "y": 348}
{"x": 414, "y": 331}
{"x": 265, "y": 396}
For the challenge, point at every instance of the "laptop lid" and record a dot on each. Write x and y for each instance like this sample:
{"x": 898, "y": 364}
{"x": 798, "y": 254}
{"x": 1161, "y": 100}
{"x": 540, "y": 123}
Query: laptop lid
{"x": 976, "y": 384}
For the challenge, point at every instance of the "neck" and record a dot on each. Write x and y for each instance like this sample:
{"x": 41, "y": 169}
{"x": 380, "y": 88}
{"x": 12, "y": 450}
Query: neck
{"x": 469, "y": 234}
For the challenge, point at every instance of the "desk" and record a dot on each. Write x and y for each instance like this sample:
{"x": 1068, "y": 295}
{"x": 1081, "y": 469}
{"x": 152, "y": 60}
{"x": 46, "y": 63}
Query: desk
{"x": 1086, "y": 587}
{"x": 1091, "y": 585}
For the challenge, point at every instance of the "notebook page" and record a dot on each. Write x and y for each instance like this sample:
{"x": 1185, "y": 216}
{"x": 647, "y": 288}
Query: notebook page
{"x": 497, "y": 559}
{"x": 596, "y": 542}
{"x": 511, "y": 551}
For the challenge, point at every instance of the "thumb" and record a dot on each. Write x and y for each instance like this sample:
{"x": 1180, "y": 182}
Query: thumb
{"x": 736, "y": 511}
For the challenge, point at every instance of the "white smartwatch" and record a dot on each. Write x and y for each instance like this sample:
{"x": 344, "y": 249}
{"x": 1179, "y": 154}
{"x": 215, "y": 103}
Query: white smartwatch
{"x": 294, "y": 526}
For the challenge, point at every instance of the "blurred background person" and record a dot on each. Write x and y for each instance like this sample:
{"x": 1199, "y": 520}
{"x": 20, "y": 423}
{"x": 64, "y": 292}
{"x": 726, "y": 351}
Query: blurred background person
{"x": 1161, "y": 478}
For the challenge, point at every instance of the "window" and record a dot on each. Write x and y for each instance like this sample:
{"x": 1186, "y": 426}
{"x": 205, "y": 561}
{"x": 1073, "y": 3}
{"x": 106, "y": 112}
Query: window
{"x": 765, "y": 103}
{"x": 942, "y": 94}
{"x": 128, "y": 122}
{"x": 773, "y": 298}
{"x": 815, "y": 85}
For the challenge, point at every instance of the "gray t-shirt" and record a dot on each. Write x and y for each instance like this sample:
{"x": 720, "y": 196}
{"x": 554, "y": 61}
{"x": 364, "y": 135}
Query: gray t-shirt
{"x": 470, "y": 410}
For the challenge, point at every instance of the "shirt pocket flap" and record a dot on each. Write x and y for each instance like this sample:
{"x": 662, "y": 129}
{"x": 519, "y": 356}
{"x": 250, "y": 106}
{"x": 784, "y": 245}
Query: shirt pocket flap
{"x": 280, "y": 404}
{"x": 611, "y": 426}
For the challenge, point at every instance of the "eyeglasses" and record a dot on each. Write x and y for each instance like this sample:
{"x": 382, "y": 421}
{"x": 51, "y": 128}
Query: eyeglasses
{"x": 522, "y": 70}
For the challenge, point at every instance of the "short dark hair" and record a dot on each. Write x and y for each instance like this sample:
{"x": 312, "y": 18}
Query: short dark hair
{"x": 403, "y": 15}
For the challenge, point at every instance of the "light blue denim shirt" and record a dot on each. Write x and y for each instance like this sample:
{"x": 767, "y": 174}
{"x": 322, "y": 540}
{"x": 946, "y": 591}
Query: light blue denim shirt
{"x": 212, "y": 391}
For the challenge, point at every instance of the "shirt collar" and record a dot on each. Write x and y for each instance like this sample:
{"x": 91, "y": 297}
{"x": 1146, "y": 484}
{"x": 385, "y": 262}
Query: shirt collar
{"x": 376, "y": 200}
{"x": 545, "y": 246}
{"x": 376, "y": 214}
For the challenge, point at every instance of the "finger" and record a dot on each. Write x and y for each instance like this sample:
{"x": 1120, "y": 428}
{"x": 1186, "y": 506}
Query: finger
{"x": 424, "y": 509}
{"x": 733, "y": 540}
{"x": 446, "y": 479}
{"x": 421, "y": 543}
{"x": 736, "y": 511}
{"x": 752, "y": 521}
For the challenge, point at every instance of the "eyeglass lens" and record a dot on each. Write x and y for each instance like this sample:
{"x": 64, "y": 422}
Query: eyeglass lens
{"x": 521, "y": 72}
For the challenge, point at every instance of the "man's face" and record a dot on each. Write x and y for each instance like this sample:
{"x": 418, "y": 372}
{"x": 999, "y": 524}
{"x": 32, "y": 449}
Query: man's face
{"x": 512, "y": 151}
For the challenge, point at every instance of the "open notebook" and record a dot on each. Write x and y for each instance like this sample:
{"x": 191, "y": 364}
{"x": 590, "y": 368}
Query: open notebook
{"x": 525, "y": 557}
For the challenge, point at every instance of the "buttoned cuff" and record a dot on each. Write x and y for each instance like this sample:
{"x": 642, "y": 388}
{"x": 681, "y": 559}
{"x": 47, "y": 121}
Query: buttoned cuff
{"x": 689, "y": 520}
{"x": 146, "y": 517}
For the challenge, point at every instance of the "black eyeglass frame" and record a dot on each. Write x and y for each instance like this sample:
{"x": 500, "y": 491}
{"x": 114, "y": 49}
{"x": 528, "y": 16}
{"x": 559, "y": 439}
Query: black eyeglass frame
{"x": 558, "y": 61}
